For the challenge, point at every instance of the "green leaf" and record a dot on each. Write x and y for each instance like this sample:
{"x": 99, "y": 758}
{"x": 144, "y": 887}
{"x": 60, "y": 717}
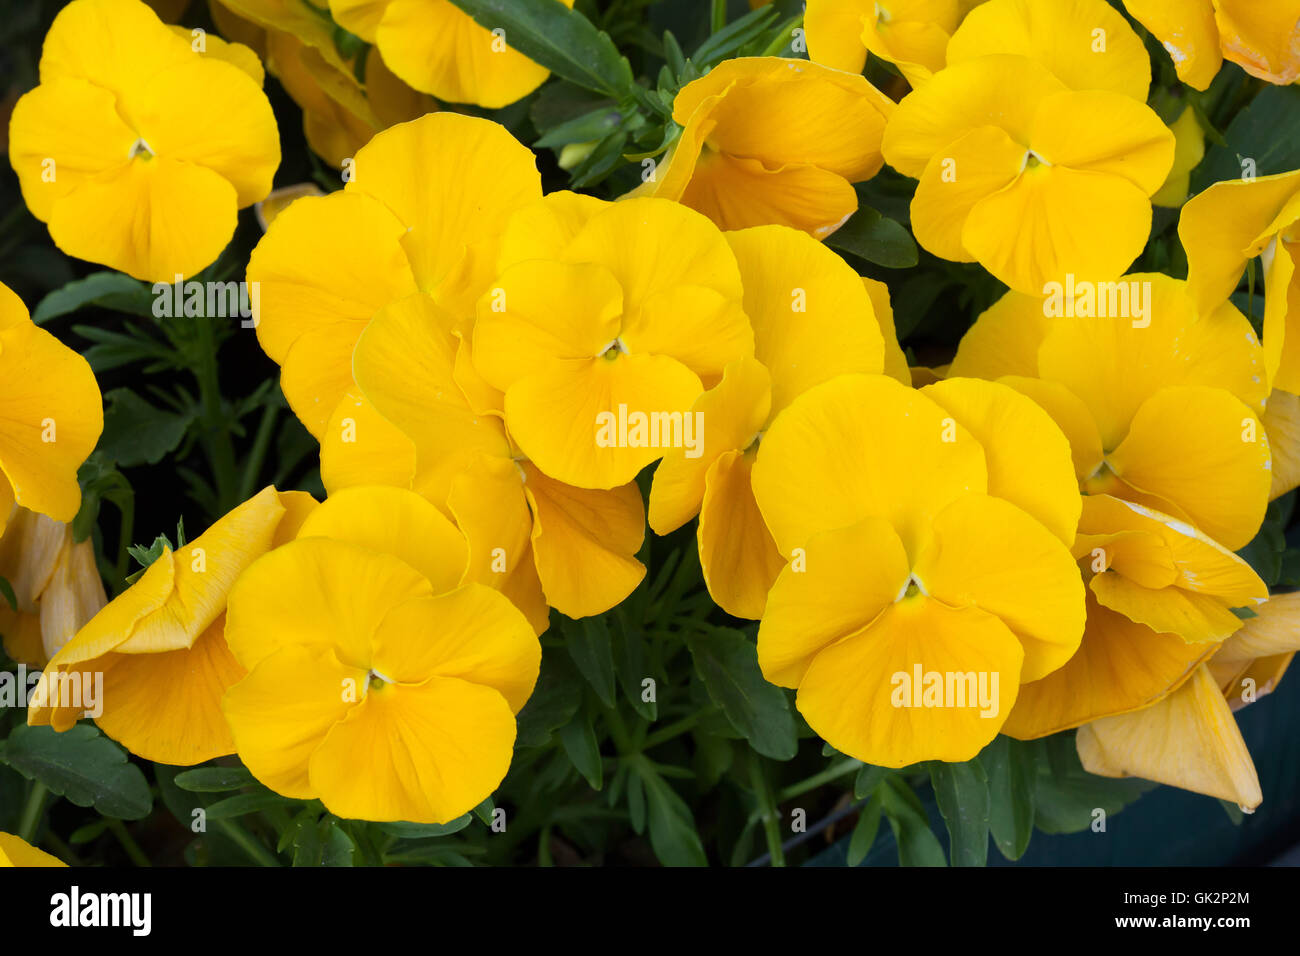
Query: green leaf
{"x": 337, "y": 848}
{"x": 560, "y": 39}
{"x": 425, "y": 831}
{"x": 1266, "y": 132}
{"x": 869, "y": 235}
{"x": 962, "y": 792}
{"x": 583, "y": 750}
{"x": 82, "y": 765}
{"x": 917, "y": 844}
{"x": 868, "y": 779}
{"x": 111, "y": 290}
{"x": 137, "y": 433}
{"x": 672, "y": 827}
{"x": 555, "y": 700}
{"x": 1010, "y": 767}
{"x": 586, "y": 128}
{"x": 1067, "y": 797}
{"x": 630, "y": 666}
{"x": 214, "y": 779}
{"x": 727, "y": 661}
{"x": 864, "y": 833}
{"x": 592, "y": 650}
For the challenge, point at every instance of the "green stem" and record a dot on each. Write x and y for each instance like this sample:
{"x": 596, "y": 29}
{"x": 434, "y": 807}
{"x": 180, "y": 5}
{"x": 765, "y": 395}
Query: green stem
{"x": 676, "y": 728}
{"x": 719, "y": 15}
{"x": 257, "y": 454}
{"x": 767, "y": 809}
{"x": 125, "y": 535}
{"x": 128, "y": 843}
{"x": 253, "y": 847}
{"x": 833, "y": 772}
{"x": 216, "y": 430}
{"x": 31, "y": 817}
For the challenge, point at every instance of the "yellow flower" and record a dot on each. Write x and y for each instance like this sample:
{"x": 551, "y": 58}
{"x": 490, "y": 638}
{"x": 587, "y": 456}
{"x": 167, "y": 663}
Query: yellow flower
{"x": 911, "y": 34}
{"x": 916, "y": 524}
{"x": 157, "y": 650}
{"x": 1231, "y": 223}
{"x": 51, "y": 415}
{"x": 424, "y": 212}
{"x": 1190, "y": 738}
{"x": 55, "y": 581}
{"x": 439, "y": 49}
{"x": 377, "y": 681}
{"x": 773, "y": 141}
{"x": 539, "y": 541}
{"x": 1029, "y": 178}
{"x": 340, "y": 113}
{"x": 15, "y": 851}
{"x": 1160, "y": 406}
{"x": 136, "y": 150}
{"x": 813, "y": 319}
{"x": 602, "y": 336}
{"x": 1189, "y": 150}
{"x": 1262, "y": 38}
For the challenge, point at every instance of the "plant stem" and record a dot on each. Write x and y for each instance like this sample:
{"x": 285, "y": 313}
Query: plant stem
{"x": 216, "y": 430}
{"x": 833, "y": 772}
{"x": 250, "y": 845}
{"x": 719, "y": 15}
{"x": 256, "y": 455}
{"x": 675, "y": 729}
{"x": 768, "y": 810}
{"x": 31, "y": 817}
{"x": 128, "y": 843}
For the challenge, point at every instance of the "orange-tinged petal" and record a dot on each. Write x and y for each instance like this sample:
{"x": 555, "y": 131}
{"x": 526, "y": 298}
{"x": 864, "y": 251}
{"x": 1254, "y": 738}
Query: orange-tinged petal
{"x": 841, "y": 582}
{"x": 1120, "y": 666}
{"x": 1196, "y": 618}
{"x": 737, "y": 554}
{"x": 167, "y": 707}
{"x": 584, "y": 543}
{"x": 1189, "y": 740}
{"x": 851, "y": 694}
{"x": 1263, "y": 39}
{"x": 1187, "y": 31}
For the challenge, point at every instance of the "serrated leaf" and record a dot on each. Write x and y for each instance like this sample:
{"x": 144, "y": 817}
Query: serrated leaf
{"x": 962, "y": 792}
{"x": 727, "y": 661}
{"x": 82, "y": 765}
{"x": 137, "y": 433}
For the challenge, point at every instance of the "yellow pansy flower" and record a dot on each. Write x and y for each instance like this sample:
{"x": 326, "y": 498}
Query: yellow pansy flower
{"x": 116, "y": 149}
{"x": 911, "y": 34}
{"x": 915, "y": 549}
{"x": 1160, "y": 406}
{"x": 424, "y": 212}
{"x": 1262, "y": 38}
{"x": 813, "y": 319}
{"x": 439, "y": 49}
{"x": 377, "y": 681}
{"x": 55, "y": 581}
{"x": 17, "y": 852}
{"x": 158, "y": 649}
{"x": 51, "y": 414}
{"x": 602, "y": 333}
{"x": 424, "y": 419}
{"x": 1231, "y": 223}
{"x": 767, "y": 140}
{"x": 1190, "y": 738}
{"x": 1029, "y": 178}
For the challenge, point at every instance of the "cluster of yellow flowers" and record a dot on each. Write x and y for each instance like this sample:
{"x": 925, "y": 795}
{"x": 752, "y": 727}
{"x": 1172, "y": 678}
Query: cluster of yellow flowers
{"x": 488, "y": 369}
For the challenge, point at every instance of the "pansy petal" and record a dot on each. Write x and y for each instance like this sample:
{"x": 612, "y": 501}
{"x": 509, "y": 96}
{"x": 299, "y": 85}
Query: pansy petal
{"x": 1186, "y": 29}
{"x": 737, "y": 554}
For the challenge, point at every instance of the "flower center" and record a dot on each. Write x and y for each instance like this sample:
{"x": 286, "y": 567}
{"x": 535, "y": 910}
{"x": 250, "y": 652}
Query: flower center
{"x": 140, "y": 148}
{"x": 613, "y": 350}
{"x": 912, "y": 588}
